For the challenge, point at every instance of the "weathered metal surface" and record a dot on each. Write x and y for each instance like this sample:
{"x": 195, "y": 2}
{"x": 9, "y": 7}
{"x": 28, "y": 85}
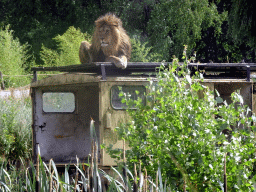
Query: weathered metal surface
{"x": 118, "y": 116}
{"x": 66, "y": 135}
{"x": 239, "y": 70}
{"x": 63, "y": 136}
{"x": 66, "y": 79}
{"x": 81, "y": 78}
{"x": 253, "y": 93}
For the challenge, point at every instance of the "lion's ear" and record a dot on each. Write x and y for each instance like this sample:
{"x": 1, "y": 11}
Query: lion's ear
{"x": 119, "y": 23}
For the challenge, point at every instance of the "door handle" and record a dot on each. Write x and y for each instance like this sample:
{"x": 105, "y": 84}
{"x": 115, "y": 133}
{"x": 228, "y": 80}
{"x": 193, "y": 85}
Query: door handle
{"x": 42, "y": 126}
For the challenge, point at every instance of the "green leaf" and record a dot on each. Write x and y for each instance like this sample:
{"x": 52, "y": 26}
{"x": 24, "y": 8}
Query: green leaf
{"x": 219, "y": 100}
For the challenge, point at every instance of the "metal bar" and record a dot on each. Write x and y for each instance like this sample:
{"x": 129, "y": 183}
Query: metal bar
{"x": 111, "y": 69}
{"x": 34, "y": 76}
{"x": 222, "y": 64}
{"x": 248, "y": 73}
{"x": 103, "y": 72}
{"x": 34, "y": 122}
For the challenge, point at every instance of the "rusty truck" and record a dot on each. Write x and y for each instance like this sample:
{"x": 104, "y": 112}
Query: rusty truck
{"x": 63, "y": 104}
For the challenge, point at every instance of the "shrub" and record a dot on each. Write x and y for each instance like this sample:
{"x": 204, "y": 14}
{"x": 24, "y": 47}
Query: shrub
{"x": 184, "y": 133}
{"x": 14, "y": 58}
{"x": 67, "y": 49}
{"x": 141, "y": 52}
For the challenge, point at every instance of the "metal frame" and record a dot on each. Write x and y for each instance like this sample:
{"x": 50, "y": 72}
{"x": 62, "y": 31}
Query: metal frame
{"x": 237, "y": 70}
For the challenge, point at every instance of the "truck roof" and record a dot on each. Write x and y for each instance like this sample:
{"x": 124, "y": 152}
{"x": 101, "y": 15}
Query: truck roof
{"x": 95, "y": 72}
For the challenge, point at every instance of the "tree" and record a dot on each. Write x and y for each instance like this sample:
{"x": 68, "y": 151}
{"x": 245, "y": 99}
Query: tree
{"x": 242, "y": 22}
{"x": 174, "y": 23}
{"x": 242, "y": 28}
{"x": 68, "y": 47}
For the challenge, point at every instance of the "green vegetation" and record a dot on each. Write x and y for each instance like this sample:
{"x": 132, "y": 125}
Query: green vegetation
{"x": 141, "y": 52}
{"x": 85, "y": 176}
{"x": 214, "y": 29}
{"x": 15, "y": 129}
{"x": 175, "y": 24}
{"x": 191, "y": 134}
{"x": 186, "y": 134}
{"x": 14, "y": 59}
{"x": 67, "y": 49}
{"x": 49, "y": 33}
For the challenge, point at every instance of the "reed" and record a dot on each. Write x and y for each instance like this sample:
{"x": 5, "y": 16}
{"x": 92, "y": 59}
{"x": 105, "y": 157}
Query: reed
{"x": 47, "y": 178}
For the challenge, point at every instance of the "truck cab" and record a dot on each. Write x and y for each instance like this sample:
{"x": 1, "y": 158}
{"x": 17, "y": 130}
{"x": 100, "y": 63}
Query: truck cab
{"x": 64, "y": 105}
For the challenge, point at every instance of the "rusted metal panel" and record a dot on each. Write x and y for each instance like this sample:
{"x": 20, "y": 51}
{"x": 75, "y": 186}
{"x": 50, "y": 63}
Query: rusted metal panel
{"x": 107, "y": 134}
{"x": 33, "y": 98}
{"x": 63, "y": 136}
{"x": 66, "y": 79}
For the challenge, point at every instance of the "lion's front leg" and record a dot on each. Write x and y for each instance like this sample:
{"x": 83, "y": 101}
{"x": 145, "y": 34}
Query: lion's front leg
{"x": 120, "y": 62}
{"x": 84, "y": 53}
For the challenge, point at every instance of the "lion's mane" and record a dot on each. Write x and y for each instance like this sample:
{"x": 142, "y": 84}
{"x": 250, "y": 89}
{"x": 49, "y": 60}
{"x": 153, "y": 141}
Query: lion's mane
{"x": 120, "y": 41}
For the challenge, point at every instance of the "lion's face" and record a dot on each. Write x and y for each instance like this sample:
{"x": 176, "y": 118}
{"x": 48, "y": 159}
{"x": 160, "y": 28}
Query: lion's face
{"x": 108, "y": 37}
{"x": 104, "y": 36}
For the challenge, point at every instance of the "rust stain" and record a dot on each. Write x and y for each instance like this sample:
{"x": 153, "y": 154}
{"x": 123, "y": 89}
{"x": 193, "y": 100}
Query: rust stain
{"x": 58, "y": 136}
{"x": 61, "y": 136}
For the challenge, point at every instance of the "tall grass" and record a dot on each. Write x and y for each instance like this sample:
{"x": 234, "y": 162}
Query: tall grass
{"x": 15, "y": 129}
{"x": 87, "y": 177}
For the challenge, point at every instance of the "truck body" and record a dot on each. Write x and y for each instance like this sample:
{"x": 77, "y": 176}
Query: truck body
{"x": 64, "y": 105}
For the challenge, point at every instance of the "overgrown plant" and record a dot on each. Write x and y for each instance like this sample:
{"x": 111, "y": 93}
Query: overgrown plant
{"x": 87, "y": 177}
{"x": 189, "y": 132}
{"x": 67, "y": 48}
{"x": 15, "y": 129}
{"x": 14, "y": 59}
{"x": 141, "y": 52}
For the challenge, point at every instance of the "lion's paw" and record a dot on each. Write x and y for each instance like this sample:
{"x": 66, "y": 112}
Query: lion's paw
{"x": 119, "y": 62}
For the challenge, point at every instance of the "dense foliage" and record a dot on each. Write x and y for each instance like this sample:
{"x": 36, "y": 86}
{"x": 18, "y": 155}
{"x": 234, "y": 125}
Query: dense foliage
{"x": 191, "y": 132}
{"x": 67, "y": 49}
{"x": 14, "y": 57}
{"x": 174, "y": 24}
{"x": 15, "y": 129}
{"x": 218, "y": 31}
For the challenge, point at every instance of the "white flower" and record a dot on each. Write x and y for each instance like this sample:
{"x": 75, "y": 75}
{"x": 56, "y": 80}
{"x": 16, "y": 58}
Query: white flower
{"x": 225, "y": 143}
{"x": 207, "y": 130}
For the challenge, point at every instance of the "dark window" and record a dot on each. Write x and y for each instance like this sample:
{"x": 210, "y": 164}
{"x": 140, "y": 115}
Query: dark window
{"x": 128, "y": 90}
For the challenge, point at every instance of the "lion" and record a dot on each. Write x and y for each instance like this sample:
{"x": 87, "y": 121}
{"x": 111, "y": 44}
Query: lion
{"x": 110, "y": 43}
